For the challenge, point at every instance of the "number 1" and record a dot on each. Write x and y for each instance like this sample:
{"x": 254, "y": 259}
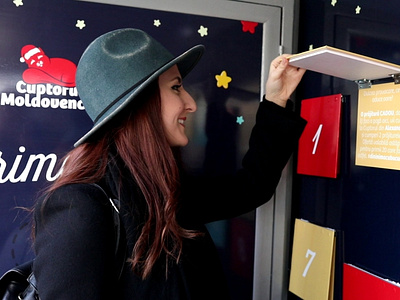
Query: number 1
{"x": 312, "y": 253}
{"x": 316, "y": 138}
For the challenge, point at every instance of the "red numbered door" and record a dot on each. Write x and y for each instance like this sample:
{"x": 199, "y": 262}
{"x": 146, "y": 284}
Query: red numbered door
{"x": 319, "y": 151}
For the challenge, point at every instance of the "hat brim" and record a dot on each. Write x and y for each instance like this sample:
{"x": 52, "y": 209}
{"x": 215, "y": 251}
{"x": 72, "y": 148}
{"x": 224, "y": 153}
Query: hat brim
{"x": 186, "y": 62}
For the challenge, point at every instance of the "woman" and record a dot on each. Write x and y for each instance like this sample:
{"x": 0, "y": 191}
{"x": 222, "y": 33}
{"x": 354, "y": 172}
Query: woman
{"x": 132, "y": 89}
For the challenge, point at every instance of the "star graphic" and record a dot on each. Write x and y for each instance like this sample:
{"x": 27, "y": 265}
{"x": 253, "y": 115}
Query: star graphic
{"x": 157, "y": 23}
{"x": 223, "y": 80}
{"x": 203, "y": 31}
{"x": 80, "y": 24}
{"x": 333, "y": 2}
{"x": 358, "y": 9}
{"x": 249, "y": 26}
{"x": 240, "y": 120}
{"x": 18, "y": 3}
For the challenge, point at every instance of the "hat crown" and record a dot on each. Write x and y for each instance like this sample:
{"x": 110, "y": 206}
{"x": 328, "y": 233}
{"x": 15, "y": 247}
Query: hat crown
{"x": 113, "y": 65}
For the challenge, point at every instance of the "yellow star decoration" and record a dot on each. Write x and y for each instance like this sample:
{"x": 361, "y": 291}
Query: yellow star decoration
{"x": 358, "y": 9}
{"x": 223, "y": 80}
{"x": 333, "y": 2}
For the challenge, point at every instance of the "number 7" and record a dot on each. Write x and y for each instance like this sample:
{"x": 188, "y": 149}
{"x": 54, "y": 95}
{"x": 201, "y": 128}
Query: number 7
{"x": 312, "y": 253}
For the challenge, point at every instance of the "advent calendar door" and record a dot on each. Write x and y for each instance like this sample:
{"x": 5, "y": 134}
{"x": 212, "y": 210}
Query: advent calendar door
{"x": 320, "y": 141}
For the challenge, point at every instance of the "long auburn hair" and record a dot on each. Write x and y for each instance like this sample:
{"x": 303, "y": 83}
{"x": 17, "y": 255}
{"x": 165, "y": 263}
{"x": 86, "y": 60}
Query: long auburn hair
{"x": 141, "y": 143}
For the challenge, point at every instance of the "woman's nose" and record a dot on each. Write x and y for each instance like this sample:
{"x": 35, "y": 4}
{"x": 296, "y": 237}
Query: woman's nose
{"x": 190, "y": 103}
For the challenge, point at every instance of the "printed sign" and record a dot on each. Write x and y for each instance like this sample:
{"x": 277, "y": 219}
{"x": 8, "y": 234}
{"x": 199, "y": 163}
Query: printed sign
{"x": 378, "y": 127}
{"x": 313, "y": 258}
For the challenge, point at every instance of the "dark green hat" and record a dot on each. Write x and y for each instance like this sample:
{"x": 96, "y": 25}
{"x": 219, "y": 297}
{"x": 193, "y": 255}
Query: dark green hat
{"x": 117, "y": 66}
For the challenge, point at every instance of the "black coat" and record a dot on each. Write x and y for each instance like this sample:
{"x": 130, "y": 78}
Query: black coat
{"x": 75, "y": 237}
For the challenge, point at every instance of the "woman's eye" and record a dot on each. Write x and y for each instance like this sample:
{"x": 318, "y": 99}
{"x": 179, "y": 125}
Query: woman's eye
{"x": 177, "y": 87}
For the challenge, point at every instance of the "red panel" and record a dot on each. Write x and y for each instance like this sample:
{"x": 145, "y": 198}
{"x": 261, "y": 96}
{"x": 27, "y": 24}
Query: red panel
{"x": 320, "y": 142}
{"x": 358, "y": 284}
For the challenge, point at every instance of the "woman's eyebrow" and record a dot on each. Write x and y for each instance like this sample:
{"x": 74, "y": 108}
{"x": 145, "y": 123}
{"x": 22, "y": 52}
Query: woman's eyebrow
{"x": 178, "y": 78}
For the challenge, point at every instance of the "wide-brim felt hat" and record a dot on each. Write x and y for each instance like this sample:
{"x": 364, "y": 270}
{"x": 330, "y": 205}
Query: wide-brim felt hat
{"x": 116, "y": 67}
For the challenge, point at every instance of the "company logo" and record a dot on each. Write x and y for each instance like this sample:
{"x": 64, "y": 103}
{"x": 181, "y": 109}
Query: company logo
{"x": 42, "y": 69}
{"x": 46, "y": 83}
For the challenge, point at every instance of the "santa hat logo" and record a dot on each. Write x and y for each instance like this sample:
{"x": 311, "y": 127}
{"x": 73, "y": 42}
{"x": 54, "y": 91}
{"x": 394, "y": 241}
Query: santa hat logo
{"x": 28, "y": 51}
{"x": 43, "y": 69}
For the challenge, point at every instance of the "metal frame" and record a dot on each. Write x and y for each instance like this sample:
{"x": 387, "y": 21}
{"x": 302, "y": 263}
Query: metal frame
{"x": 272, "y": 240}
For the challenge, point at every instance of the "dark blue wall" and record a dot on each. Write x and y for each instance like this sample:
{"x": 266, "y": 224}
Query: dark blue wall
{"x": 363, "y": 203}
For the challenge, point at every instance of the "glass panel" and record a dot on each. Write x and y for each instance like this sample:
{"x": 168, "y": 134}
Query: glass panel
{"x": 36, "y": 128}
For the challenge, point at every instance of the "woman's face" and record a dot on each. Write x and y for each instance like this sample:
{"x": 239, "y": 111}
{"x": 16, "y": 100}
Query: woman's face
{"x": 176, "y": 104}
